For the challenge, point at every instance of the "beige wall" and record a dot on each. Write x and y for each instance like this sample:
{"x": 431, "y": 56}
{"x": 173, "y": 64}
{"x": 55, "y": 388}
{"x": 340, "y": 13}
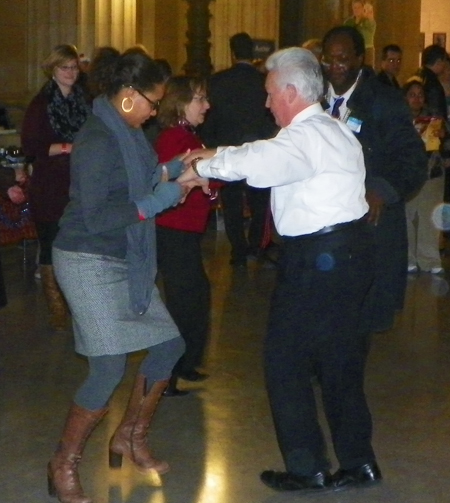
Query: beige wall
{"x": 13, "y": 51}
{"x": 30, "y": 29}
{"x": 170, "y": 32}
{"x": 435, "y": 19}
{"x": 257, "y": 17}
{"x": 105, "y": 22}
{"x": 398, "y": 21}
{"x": 166, "y": 38}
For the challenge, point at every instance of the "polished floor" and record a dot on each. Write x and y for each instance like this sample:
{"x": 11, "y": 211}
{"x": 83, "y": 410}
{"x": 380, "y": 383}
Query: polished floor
{"x": 219, "y": 437}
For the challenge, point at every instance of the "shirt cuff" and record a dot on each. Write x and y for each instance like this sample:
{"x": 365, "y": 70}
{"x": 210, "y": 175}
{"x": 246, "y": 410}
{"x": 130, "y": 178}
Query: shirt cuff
{"x": 202, "y": 167}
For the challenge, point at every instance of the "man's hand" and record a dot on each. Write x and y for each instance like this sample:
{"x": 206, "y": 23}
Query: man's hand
{"x": 204, "y": 153}
{"x": 376, "y": 204}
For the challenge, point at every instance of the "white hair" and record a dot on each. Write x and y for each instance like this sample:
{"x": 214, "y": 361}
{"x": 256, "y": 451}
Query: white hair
{"x": 299, "y": 68}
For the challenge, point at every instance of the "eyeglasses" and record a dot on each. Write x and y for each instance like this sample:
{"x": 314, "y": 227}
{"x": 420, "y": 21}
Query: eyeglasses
{"x": 336, "y": 61}
{"x": 394, "y": 60}
{"x": 155, "y": 104}
{"x": 65, "y": 68}
{"x": 201, "y": 98}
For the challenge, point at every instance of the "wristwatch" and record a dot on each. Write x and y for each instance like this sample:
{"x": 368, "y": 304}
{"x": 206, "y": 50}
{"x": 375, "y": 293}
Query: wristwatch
{"x": 194, "y": 165}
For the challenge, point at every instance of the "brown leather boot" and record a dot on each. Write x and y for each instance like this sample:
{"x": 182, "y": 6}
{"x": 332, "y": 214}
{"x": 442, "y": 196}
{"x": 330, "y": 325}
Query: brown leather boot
{"x": 62, "y": 470}
{"x": 55, "y": 299}
{"x": 130, "y": 438}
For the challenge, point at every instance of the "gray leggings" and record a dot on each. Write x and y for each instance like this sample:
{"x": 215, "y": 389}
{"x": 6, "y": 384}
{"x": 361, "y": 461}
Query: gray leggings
{"x": 106, "y": 372}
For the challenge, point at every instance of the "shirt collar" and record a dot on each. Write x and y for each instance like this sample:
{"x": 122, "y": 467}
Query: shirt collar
{"x": 331, "y": 95}
{"x": 306, "y": 113}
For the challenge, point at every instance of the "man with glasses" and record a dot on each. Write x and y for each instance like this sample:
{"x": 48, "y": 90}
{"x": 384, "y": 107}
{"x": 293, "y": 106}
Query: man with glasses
{"x": 391, "y": 63}
{"x": 394, "y": 156}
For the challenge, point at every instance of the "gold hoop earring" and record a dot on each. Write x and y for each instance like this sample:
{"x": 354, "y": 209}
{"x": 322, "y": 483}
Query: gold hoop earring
{"x": 127, "y": 110}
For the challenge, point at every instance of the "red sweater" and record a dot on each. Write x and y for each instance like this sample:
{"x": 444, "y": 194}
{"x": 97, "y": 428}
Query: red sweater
{"x": 193, "y": 214}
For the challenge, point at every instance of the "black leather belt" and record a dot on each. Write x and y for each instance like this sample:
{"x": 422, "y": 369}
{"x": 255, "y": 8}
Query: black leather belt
{"x": 328, "y": 229}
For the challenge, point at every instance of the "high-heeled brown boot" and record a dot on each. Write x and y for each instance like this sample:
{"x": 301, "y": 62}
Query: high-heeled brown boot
{"x": 62, "y": 469}
{"x": 130, "y": 438}
{"x": 56, "y": 302}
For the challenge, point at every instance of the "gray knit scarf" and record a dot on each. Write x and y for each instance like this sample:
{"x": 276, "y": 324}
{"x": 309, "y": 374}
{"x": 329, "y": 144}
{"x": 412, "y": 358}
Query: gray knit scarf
{"x": 140, "y": 163}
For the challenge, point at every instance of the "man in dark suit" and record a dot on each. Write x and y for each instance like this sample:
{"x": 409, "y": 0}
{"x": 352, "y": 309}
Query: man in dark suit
{"x": 391, "y": 63}
{"x": 238, "y": 115}
{"x": 394, "y": 156}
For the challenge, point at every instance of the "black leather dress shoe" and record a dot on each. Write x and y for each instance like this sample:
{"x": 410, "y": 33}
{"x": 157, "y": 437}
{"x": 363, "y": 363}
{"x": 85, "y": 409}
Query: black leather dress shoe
{"x": 363, "y": 475}
{"x": 285, "y": 481}
{"x": 193, "y": 375}
{"x": 173, "y": 391}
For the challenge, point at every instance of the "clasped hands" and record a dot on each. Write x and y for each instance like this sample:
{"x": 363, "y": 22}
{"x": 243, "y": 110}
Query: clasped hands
{"x": 189, "y": 178}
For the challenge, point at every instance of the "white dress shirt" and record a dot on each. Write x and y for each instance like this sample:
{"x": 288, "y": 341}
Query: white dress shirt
{"x": 315, "y": 167}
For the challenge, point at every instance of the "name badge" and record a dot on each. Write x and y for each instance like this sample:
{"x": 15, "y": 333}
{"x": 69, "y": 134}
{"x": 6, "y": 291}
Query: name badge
{"x": 354, "y": 124}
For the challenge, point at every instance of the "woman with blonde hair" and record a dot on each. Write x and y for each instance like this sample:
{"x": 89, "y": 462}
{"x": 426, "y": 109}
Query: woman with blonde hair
{"x": 51, "y": 121}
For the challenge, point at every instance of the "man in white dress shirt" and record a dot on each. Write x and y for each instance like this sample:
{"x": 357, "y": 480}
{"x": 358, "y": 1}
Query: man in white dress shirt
{"x": 318, "y": 322}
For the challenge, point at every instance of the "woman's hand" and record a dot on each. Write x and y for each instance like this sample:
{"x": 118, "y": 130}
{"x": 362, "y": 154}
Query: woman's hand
{"x": 16, "y": 194}
{"x": 182, "y": 157}
{"x": 189, "y": 179}
{"x": 60, "y": 149}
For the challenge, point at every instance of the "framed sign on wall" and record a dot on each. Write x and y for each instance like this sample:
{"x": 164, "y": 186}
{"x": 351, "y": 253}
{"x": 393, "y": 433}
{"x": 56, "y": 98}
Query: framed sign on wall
{"x": 440, "y": 39}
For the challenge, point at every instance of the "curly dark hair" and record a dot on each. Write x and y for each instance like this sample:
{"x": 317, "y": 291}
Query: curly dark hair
{"x": 100, "y": 69}
{"x": 111, "y": 71}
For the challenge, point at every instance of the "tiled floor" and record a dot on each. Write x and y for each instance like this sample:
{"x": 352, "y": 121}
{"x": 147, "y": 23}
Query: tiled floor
{"x": 219, "y": 437}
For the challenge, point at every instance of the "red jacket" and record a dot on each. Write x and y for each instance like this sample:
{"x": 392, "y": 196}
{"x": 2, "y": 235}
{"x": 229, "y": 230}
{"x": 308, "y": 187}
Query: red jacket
{"x": 193, "y": 214}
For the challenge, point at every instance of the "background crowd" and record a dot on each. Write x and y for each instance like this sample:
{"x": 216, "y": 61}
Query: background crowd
{"x": 110, "y": 212}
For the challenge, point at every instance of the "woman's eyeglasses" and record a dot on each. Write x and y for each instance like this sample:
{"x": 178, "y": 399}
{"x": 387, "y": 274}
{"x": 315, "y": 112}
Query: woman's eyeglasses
{"x": 73, "y": 68}
{"x": 200, "y": 98}
{"x": 155, "y": 104}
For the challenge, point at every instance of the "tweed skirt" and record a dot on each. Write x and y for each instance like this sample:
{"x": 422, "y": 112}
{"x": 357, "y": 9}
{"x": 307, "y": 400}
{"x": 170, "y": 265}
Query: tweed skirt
{"x": 96, "y": 289}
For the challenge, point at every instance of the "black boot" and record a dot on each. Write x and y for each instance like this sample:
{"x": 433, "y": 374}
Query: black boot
{"x": 172, "y": 389}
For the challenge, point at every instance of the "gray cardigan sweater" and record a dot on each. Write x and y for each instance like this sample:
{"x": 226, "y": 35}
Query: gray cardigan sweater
{"x": 99, "y": 210}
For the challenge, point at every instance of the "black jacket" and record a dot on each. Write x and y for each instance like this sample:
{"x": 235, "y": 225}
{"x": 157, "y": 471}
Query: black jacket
{"x": 434, "y": 93}
{"x": 238, "y": 113}
{"x": 394, "y": 153}
{"x": 384, "y": 78}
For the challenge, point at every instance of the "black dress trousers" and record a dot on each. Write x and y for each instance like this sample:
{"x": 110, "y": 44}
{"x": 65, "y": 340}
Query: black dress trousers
{"x": 319, "y": 324}
{"x": 391, "y": 265}
{"x": 3, "y": 300}
{"x": 232, "y": 195}
{"x": 186, "y": 291}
